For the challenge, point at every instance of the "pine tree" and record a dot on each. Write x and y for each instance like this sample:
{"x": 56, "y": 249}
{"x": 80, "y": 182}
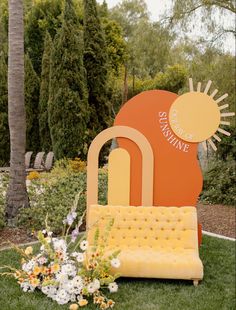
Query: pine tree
{"x": 44, "y": 132}
{"x": 95, "y": 61}
{"x": 68, "y": 102}
{"x": 4, "y": 130}
{"x": 31, "y": 105}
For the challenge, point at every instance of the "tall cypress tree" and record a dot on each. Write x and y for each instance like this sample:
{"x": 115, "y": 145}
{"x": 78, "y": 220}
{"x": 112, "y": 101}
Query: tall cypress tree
{"x": 44, "y": 132}
{"x": 68, "y": 102}
{"x": 4, "y": 130}
{"x": 95, "y": 61}
{"x": 31, "y": 106}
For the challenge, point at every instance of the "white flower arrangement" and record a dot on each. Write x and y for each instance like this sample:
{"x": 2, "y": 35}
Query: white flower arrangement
{"x": 64, "y": 273}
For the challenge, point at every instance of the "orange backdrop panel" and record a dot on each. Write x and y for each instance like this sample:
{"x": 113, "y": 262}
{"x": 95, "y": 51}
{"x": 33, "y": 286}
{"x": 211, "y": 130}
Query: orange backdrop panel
{"x": 177, "y": 174}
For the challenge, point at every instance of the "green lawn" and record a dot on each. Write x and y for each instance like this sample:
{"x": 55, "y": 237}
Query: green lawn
{"x": 216, "y": 292}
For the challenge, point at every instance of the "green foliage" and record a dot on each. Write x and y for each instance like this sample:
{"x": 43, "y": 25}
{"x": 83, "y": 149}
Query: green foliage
{"x": 173, "y": 79}
{"x": 68, "y": 108}
{"x": 4, "y": 130}
{"x": 219, "y": 183}
{"x": 45, "y": 16}
{"x": 227, "y": 147}
{"x": 31, "y": 106}
{"x": 44, "y": 131}
{"x": 54, "y": 193}
{"x": 95, "y": 61}
{"x": 115, "y": 44}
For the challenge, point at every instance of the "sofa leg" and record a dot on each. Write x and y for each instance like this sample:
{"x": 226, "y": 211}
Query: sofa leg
{"x": 195, "y": 282}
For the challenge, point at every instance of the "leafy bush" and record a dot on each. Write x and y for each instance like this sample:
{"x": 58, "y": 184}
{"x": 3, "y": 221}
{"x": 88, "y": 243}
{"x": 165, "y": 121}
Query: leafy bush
{"x": 54, "y": 196}
{"x": 219, "y": 183}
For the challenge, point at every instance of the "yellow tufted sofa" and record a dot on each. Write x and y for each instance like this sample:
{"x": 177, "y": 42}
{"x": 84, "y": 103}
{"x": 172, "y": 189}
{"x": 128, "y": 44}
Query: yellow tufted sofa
{"x": 155, "y": 242}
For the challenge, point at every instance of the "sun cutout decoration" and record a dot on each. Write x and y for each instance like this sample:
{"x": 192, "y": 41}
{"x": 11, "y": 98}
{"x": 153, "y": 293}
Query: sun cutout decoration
{"x": 196, "y": 116}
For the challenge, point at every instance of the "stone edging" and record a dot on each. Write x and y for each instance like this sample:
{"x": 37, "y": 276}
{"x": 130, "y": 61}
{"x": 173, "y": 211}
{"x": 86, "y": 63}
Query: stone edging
{"x": 217, "y": 236}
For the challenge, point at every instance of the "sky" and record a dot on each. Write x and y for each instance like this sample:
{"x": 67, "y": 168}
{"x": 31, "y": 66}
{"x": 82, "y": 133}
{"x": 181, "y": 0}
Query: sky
{"x": 157, "y": 8}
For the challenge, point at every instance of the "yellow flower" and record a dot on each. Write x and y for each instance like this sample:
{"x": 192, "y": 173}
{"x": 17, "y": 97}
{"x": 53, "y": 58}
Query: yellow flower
{"x": 74, "y": 307}
{"x": 29, "y": 250}
{"x": 34, "y": 282}
{"x": 33, "y": 175}
{"x": 83, "y": 302}
{"x": 37, "y": 270}
{"x": 55, "y": 268}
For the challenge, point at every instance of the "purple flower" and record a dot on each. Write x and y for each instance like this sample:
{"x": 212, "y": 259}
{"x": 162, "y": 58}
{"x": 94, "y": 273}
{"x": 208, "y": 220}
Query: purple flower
{"x": 74, "y": 234}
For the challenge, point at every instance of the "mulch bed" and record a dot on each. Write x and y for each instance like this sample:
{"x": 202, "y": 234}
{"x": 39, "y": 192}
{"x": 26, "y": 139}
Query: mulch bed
{"x": 217, "y": 219}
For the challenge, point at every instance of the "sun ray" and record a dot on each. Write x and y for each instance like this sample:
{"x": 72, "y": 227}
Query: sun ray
{"x": 204, "y": 145}
{"x": 223, "y": 107}
{"x": 225, "y": 123}
{"x": 191, "y": 84}
{"x": 199, "y": 84}
{"x": 224, "y": 132}
{"x": 212, "y": 144}
{"x": 222, "y": 98}
{"x": 207, "y": 87}
{"x": 227, "y": 114}
{"x": 214, "y": 93}
{"x": 217, "y": 137}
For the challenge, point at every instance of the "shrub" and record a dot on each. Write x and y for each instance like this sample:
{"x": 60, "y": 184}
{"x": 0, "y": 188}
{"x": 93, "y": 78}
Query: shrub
{"x": 77, "y": 165}
{"x": 54, "y": 196}
{"x": 219, "y": 183}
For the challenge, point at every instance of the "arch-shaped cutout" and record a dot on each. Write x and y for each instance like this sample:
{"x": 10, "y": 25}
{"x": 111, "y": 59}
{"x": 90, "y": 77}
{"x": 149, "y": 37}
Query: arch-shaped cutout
{"x": 147, "y": 162}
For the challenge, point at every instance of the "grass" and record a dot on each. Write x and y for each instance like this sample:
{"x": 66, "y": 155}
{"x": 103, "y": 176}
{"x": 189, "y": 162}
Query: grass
{"x": 216, "y": 292}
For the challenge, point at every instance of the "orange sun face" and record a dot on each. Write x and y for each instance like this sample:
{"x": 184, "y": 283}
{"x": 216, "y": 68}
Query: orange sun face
{"x": 196, "y": 116}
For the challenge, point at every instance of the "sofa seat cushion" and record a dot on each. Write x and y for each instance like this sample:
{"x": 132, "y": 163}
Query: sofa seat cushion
{"x": 159, "y": 263}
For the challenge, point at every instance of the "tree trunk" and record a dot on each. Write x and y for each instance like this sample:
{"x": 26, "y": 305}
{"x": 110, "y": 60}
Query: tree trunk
{"x": 125, "y": 89}
{"x": 17, "y": 194}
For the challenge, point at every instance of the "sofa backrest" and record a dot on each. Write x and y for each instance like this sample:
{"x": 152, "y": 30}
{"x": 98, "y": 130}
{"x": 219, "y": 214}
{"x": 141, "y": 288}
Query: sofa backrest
{"x": 170, "y": 228}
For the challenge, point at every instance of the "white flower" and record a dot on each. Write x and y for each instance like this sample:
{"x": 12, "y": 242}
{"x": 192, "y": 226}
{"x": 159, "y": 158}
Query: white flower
{"x": 74, "y": 254}
{"x": 113, "y": 287}
{"x": 59, "y": 244}
{"x": 80, "y": 257}
{"x": 115, "y": 262}
{"x": 28, "y": 267}
{"x": 42, "y": 260}
{"x": 96, "y": 284}
{"x": 44, "y": 231}
{"x": 77, "y": 281}
{"x": 61, "y": 277}
{"x": 28, "y": 182}
{"x": 45, "y": 289}
{"x": 83, "y": 245}
{"x": 69, "y": 269}
{"x": 50, "y": 233}
{"x": 69, "y": 287}
{"x": 25, "y": 286}
{"x": 62, "y": 297}
{"x": 42, "y": 248}
{"x": 4, "y": 194}
{"x": 91, "y": 288}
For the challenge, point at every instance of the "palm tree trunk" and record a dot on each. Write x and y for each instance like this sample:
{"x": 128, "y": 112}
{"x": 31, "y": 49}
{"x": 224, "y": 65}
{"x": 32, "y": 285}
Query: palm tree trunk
{"x": 17, "y": 193}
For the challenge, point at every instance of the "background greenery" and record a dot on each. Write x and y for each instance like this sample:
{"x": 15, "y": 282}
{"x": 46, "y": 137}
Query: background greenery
{"x": 83, "y": 61}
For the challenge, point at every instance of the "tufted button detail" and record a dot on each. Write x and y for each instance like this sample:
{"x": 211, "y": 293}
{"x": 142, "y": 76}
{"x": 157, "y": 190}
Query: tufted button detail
{"x": 145, "y": 220}
{"x": 140, "y": 228}
{"x": 129, "y": 228}
{"x": 145, "y": 237}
